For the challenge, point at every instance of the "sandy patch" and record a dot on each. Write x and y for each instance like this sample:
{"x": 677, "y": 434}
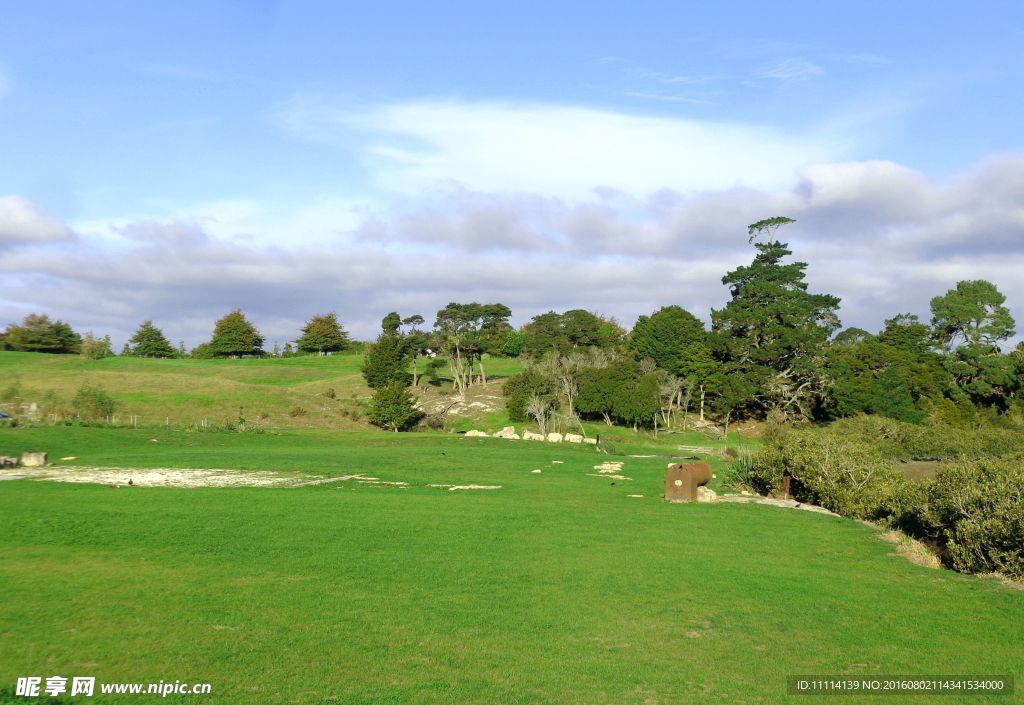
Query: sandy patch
{"x": 172, "y": 477}
{"x": 609, "y": 477}
{"x": 452, "y": 488}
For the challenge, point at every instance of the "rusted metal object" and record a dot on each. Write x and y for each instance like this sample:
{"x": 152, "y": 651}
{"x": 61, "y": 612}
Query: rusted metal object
{"x": 683, "y": 479}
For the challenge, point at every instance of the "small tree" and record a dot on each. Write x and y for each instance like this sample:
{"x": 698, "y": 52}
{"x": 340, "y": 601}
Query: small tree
{"x": 323, "y": 334}
{"x": 149, "y": 341}
{"x": 393, "y": 407}
{"x": 92, "y": 403}
{"x": 385, "y": 362}
{"x": 537, "y": 407}
{"x": 94, "y": 348}
{"x": 234, "y": 336}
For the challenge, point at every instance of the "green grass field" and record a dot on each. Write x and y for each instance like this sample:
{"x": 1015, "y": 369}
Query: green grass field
{"x": 559, "y": 588}
{"x": 264, "y": 391}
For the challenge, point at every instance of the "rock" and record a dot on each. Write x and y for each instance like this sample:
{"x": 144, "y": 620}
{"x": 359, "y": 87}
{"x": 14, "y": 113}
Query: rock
{"x": 8, "y": 461}
{"x": 591, "y": 441}
{"x": 706, "y": 495}
{"x": 610, "y": 466}
{"x": 554, "y": 437}
{"x": 531, "y": 436}
{"x": 536, "y": 471}
{"x": 476, "y": 434}
{"x": 573, "y": 438}
{"x": 33, "y": 460}
{"x": 507, "y": 432}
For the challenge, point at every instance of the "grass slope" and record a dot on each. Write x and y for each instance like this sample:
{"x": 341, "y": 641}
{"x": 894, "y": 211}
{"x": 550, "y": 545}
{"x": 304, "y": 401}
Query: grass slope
{"x": 559, "y": 588}
{"x": 184, "y": 392}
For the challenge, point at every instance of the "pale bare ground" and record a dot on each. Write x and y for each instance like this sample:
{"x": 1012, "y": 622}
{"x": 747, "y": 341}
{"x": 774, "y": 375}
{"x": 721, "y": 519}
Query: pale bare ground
{"x": 206, "y": 477}
{"x": 172, "y": 477}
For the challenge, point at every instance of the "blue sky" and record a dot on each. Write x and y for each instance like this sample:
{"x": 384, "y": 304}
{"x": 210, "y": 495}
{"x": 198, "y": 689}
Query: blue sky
{"x": 293, "y": 158}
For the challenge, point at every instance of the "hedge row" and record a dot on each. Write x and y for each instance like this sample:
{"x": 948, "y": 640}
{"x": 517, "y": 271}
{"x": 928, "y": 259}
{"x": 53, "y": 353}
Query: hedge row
{"x": 972, "y": 511}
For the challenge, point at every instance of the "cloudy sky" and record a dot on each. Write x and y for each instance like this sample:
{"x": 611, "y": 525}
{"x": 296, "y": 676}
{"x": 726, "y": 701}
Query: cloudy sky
{"x": 294, "y": 158}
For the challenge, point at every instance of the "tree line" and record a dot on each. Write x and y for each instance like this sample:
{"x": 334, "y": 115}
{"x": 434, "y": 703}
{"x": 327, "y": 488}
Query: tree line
{"x": 233, "y": 336}
{"x": 774, "y": 348}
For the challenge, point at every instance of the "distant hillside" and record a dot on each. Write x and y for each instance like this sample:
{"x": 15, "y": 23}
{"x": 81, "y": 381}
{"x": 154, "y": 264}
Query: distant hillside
{"x": 272, "y": 392}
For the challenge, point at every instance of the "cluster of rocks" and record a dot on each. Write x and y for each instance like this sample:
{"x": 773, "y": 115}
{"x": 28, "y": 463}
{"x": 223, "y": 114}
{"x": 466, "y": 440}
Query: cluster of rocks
{"x": 510, "y": 432}
{"x": 28, "y": 460}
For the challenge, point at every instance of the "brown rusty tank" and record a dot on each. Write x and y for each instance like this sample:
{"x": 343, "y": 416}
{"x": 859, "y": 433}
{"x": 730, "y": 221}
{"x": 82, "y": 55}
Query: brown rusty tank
{"x": 683, "y": 479}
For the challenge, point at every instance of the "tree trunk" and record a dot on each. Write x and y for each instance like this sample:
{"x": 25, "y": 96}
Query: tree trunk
{"x": 483, "y": 375}
{"x": 607, "y": 419}
{"x": 702, "y": 392}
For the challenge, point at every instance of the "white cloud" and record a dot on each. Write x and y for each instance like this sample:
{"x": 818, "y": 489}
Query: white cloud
{"x": 882, "y": 237}
{"x": 554, "y": 150}
{"x": 23, "y": 222}
{"x": 792, "y": 70}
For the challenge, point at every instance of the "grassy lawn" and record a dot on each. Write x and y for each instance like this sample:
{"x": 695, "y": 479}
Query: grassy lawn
{"x": 558, "y": 588}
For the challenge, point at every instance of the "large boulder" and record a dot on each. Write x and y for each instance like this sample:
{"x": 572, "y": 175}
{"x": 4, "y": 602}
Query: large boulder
{"x": 8, "y": 461}
{"x": 591, "y": 441}
{"x": 33, "y": 460}
{"x": 507, "y": 432}
{"x": 554, "y": 437}
{"x": 531, "y": 436}
{"x": 476, "y": 434}
{"x": 573, "y": 438}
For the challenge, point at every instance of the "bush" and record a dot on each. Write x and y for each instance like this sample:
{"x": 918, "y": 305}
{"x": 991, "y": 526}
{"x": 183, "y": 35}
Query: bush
{"x": 92, "y": 403}
{"x": 296, "y": 412}
{"x": 972, "y": 511}
{"x": 393, "y": 407}
{"x": 845, "y": 474}
{"x": 518, "y": 389}
{"x": 975, "y": 510}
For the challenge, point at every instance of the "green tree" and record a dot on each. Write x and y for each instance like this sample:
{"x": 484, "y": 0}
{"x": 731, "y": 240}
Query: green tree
{"x": 393, "y": 407}
{"x": 973, "y": 314}
{"x": 323, "y": 334}
{"x": 564, "y": 332}
{"x": 391, "y": 323}
{"x": 94, "y": 348}
{"x": 465, "y": 333}
{"x": 773, "y": 331}
{"x": 149, "y": 341}
{"x": 386, "y": 361}
{"x": 638, "y": 401}
{"x": 37, "y": 333}
{"x": 93, "y": 403}
{"x": 664, "y": 336}
{"x": 234, "y": 336}
{"x": 971, "y": 321}
{"x": 601, "y": 388}
{"x": 701, "y": 370}
{"x": 520, "y": 387}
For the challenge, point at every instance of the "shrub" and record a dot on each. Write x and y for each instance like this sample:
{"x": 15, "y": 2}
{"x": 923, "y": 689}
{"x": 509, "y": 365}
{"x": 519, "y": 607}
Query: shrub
{"x": 737, "y": 474}
{"x": 518, "y": 389}
{"x": 975, "y": 510}
{"x": 296, "y": 411}
{"x": 393, "y": 407}
{"x": 11, "y": 392}
{"x": 92, "y": 403}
